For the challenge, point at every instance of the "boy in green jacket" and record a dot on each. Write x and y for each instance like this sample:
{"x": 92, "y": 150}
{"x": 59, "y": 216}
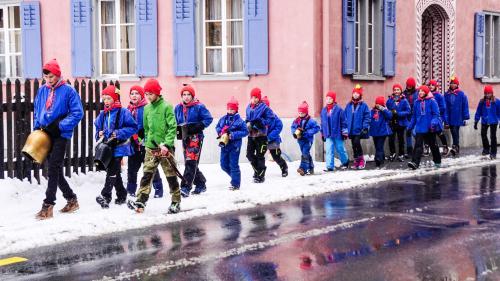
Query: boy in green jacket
{"x": 160, "y": 131}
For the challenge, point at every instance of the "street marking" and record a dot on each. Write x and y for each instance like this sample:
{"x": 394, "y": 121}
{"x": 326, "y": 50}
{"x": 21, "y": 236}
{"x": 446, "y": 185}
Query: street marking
{"x": 12, "y": 260}
{"x": 164, "y": 266}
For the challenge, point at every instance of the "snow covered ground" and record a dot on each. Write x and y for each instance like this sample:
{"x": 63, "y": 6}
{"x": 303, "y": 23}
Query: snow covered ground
{"x": 20, "y": 201}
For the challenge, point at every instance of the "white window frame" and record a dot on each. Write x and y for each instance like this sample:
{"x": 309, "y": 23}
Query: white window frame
{"x": 8, "y": 54}
{"x": 224, "y": 47}
{"x": 363, "y": 46}
{"x": 492, "y": 40}
{"x": 117, "y": 50}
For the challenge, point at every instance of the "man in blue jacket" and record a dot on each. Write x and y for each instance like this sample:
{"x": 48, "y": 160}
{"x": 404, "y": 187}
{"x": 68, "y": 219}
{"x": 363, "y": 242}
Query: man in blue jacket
{"x": 457, "y": 107}
{"x": 57, "y": 111}
{"x": 193, "y": 114}
{"x": 488, "y": 112}
{"x": 274, "y": 139}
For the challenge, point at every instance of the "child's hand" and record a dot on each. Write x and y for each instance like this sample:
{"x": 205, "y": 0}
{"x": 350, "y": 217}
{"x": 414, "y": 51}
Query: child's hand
{"x": 101, "y": 133}
{"x": 113, "y": 135}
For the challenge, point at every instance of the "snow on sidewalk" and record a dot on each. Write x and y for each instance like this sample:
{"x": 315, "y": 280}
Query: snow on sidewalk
{"x": 20, "y": 201}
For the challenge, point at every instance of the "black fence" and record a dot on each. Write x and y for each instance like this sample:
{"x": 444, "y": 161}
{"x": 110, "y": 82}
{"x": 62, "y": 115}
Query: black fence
{"x": 16, "y": 123}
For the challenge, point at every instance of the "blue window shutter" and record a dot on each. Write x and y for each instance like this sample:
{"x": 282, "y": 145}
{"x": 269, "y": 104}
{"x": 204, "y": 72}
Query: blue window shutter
{"x": 389, "y": 37}
{"x": 256, "y": 43}
{"x": 479, "y": 45}
{"x": 146, "y": 38}
{"x": 81, "y": 38}
{"x": 348, "y": 36}
{"x": 31, "y": 39}
{"x": 184, "y": 38}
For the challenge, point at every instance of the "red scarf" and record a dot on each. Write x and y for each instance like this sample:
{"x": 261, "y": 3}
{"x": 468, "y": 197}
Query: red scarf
{"x": 455, "y": 92}
{"x": 186, "y": 106}
{"x": 116, "y": 104}
{"x": 488, "y": 101}
{"x": 133, "y": 107}
{"x": 329, "y": 107}
{"x": 376, "y": 114}
{"x": 50, "y": 99}
{"x": 422, "y": 103}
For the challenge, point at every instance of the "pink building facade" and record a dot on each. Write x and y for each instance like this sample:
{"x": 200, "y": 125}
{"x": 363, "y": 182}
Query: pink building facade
{"x": 293, "y": 50}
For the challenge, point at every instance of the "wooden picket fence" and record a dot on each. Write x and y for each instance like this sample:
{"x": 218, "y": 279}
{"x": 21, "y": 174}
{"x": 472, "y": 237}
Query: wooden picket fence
{"x": 16, "y": 123}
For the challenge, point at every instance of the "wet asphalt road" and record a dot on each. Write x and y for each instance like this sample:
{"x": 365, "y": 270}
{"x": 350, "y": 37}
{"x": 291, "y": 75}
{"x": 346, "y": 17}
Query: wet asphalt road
{"x": 441, "y": 227}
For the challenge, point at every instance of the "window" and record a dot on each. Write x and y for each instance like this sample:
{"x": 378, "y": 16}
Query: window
{"x": 492, "y": 45}
{"x": 116, "y": 37}
{"x": 10, "y": 42}
{"x": 222, "y": 36}
{"x": 368, "y": 33}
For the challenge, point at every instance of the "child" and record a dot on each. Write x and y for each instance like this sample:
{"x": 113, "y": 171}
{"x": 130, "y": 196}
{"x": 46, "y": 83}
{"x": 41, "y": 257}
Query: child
{"x": 380, "y": 129}
{"x": 236, "y": 129}
{"x": 427, "y": 123}
{"x": 274, "y": 140}
{"x": 400, "y": 109}
{"x": 334, "y": 132}
{"x": 411, "y": 95}
{"x": 136, "y": 108}
{"x": 115, "y": 125}
{"x": 357, "y": 116}
{"x": 258, "y": 117}
{"x": 303, "y": 129}
{"x": 434, "y": 88}
{"x": 193, "y": 114}
{"x": 457, "y": 109}
{"x": 488, "y": 111}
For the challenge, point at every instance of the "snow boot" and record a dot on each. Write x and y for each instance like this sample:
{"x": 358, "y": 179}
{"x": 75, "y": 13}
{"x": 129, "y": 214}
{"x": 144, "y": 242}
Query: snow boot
{"x": 137, "y": 206}
{"x": 485, "y": 152}
{"x": 104, "y": 202}
{"x": 310, "y": 172}
{"x": 284, "y": 172}
{"x": 131, "y": 189}
{"x": 301, "y": 171}
{"x": 345, "y": 166}
{"x": 234, "y": 188}
{"x": 120, "y": 201}
{"x": 362, "y": 163}
{"x": 174, "y": 208}
{"x": 47, "y": 212}
{"x": 355, "y": 164}
{"x": 185, "y": 191}
{"x": 258, "y": 179}
{"x": 71, "y": 206}
{"x": 412, "y": 165}
{"x": 446, "y": 151}
{"x": 158, "y": 187}
{"x": 199, "y": 189}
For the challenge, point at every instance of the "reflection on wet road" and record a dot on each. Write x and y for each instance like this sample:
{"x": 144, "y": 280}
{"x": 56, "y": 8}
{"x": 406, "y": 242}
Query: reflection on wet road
{"x": 440, "y": 227}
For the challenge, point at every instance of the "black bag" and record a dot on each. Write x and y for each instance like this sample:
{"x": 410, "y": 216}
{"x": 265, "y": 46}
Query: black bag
{"x": 182, "y": 132}
{"x": 104, "y": 151}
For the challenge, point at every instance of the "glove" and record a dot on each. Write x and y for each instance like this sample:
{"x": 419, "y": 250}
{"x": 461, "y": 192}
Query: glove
{"x": 323, "y": 138}
{"x": 364, "y": 131}
{"x": 257, "y": 123}
{"x": 475, "y": 125}
{"x": 53, "y": 129}
{"x": 394, "y": 112}
{"x": 195, "y": 128}
{"x": 464, "y": 123}
{"x": 112, "y": 142}
{"x": 141, "y": 133}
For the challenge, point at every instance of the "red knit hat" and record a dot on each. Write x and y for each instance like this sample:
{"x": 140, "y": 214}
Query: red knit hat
{"x": 112, "y": 91}
{"x": 488, "y": 89}
{"x": 265, "y": 100}
{"x": 232, "y": 104}
{"x": 304, "y": 108}
{"x": 380, "y": 100}
{"x": 397, "y": 86}
{"x": 189, "y": 89}
{"x": 358, "y": 89}
{"x": 425, "y": 89}
{"x": 53, "y": 67}
{"x": 137, "y": 88}
{"x": 433, "y": 83}
{"x": 152, "y": 86}
{"x": 332, "y": 95}
{"x": 411, "y": 83}
{"x": 256, "y": 92}
{"x": 454, "y": 80}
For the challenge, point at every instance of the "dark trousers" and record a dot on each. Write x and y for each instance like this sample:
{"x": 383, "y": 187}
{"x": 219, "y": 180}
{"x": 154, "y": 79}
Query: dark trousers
{"x": 134, "y": 164}
{"x": 399, "y": 132}
{"x": 276, "y": 154}
{"x": 192, "y": 174}
{"x": 409, "y": 142}
{"x": 455, "y": 135}
{"x": 114, "y": 179}
{"x": 55, "y": 173}
{"x": 430, "y": 139}
{"x": 487, "y": 148}
{"x": 442, "y": 137}
{"x": 379, "y": 143}
{"x": 256, "y": 149}
{"x": 357, "y": 150}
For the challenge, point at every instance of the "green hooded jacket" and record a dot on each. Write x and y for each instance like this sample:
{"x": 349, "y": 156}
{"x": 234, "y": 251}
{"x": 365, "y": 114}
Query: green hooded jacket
{"x": 159, "y": 124}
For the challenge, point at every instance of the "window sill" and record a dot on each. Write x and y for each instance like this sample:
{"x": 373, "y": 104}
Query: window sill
{"x": 490, "y": 80}
{"x": 118, "y": 78}
{"x": 368, "y": 77}
{"x": 221, "y": 78}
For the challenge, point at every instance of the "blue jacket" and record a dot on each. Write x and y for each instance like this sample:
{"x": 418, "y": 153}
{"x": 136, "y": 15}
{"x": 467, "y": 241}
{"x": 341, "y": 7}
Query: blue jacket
{"x": 457, "y": 108}
{"x": 66, "y": 103}
{"x": 274, "y": 130}
{"x": 309, "y": 128}
{"x": 126, "y": 128}
{"x": 380, "y": 126}
{"x": 236, "y": 128}
{"x": 442, "y": 106}
{"x": 195, "y": 114}
{"x": 333, "y": 123}
{"x": 403, "y": 110}
{"x": 425, "y": 116}
{"x": 139, "y": 121}
{"x": 488, "y": 115}
{"x": 411, "y": 98}
{"x": 260, "y": 118}
{"x": 357, "y": 118}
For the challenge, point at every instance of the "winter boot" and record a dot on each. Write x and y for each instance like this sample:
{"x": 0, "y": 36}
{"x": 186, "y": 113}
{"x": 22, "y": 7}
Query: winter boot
{"x": 284, "y": 172}
{"x": 71, "y": 206}
{"x": 104, "y": 202}
{"x": 412, "y": 165}
{"x": 310, "y": 172}
{"x": 174, "y": 208}
{"x": 158, "y": 187}
{"x": 362, "y": 163}
{"x": 485, "y": 152}
{"x": 199, "y": 189}
{"x": 355, "y": 164}
{"x": 131, "y": 189}
{"x": 301, "y": 171}
{"x": 46, "y": 212}
{"x": 455, "y": 150}
{"x": 185, "y": 191}
{"x": 259, "y": 179}
{"x": 120, "y": 201}
{"x": 137, "y": 206}
{"x": 392, "y": 157}
{"x": 446, "y": 151}
{"x": 345, "y": 166}
{"x": 493, "y": 156}
{"x": 234, "y": 188}
{"x": 401, "y": 158}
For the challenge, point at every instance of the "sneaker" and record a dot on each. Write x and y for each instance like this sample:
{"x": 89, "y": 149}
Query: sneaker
{"x": 185, "y": 191}
{"x": 401, "y": 158}
{"x": 392, "y": 157}
{"x": 412, "y": 165}
{"x": 355, "y": 164}
{"x": 174, "y": 208}
{"x": 234, "y": 188}
{"x": 446, "y": 151}
{"x": 46, "y": 212}
{"x": 138, "y": 207}
{"x": 104, "y": 202}
{"x": 284, "y": 173}
{"x": 198, "y": 190}
{"x": 345, "y": 166}
{"x": 328, "y": 170}
{"x": 485, "y": 152}
{"x": 71, "y": 206}
{"x": 310, "y": 172}
{"x": 259, "y": 180}
{"x": 131, "y": 194}
{"x": 362, "y": 163}
{"x": 119, "y": 201}
{"x": 301, "y": 171}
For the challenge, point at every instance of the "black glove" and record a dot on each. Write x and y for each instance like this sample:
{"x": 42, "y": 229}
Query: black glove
{"x": 141, "y": 133}
{"x": 53, "y": 129}
{"x": 112, "y": 142}
{"x": 323, "y": 138}
{"x": 364, "y": 131}
{"x": 195, "y": 128}
{"x": 475, "y": 125}
{"x": 258, "y": 123}
{"x": 394, "y": 112}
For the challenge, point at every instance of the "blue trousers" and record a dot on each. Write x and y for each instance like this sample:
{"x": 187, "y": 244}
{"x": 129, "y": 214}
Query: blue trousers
{"x": 229, "y": 158}
{"x": 306, "y": 162}
{"x": 379, "y": 143}
{"x": 455, "y": 135}
{"x": 333, "y": 145}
